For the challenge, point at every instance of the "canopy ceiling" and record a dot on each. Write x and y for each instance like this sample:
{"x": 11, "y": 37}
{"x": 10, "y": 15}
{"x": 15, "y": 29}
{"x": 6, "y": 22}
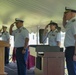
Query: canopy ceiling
{"x": 33, "y": 12}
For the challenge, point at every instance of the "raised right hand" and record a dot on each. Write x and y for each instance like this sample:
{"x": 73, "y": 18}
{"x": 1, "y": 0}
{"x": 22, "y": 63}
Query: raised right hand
{"x": 12, "y": 25}
{"x": 64, "y": 20}
{"x": 46, "y": 26}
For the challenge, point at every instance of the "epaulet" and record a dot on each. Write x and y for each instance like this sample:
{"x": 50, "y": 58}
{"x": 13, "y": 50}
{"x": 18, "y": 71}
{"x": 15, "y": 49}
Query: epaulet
{"x": 73, "y": 20}
{"x": 6, "y": 32}
{"x": 56, "y": 31}
{"x": 24, "y": 28}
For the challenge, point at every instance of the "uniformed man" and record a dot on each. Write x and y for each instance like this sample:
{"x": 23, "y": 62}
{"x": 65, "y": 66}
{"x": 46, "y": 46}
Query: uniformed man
{"x": 21, "y": 40}
{"x": 5, "y": 37}
{"x": 70, "y": 40}
{"x": 54, "y": 37}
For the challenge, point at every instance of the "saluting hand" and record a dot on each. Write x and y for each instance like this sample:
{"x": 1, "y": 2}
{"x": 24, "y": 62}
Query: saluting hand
{"x": 46, "y": 26}
{"x": 64, "y": 20}
{"x": 12, "y": 25}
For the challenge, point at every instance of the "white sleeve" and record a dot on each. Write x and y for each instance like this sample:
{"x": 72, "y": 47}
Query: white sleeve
{"x": 13, "y": 32}
{"x": 58, "y": 37}
{"x": 25, "y": 33}
{"x": 8, "y": 36}
{"x": 74, "y": 28}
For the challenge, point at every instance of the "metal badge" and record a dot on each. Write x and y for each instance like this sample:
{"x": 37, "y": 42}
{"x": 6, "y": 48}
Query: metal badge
{"x": 19, "y": 31}
{"x": 5, "y": 34}
{"x": 73, "y": 20}
{"x": 53, "y": 34}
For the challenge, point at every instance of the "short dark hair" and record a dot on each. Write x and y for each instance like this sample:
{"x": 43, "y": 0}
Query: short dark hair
{"x": 59, "y": 29}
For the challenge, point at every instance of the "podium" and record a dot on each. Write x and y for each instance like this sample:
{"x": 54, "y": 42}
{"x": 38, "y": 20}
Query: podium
{"x": 51, "y": 61}
{"x": 54, "y": 63}
{"x": 2, "y": 55}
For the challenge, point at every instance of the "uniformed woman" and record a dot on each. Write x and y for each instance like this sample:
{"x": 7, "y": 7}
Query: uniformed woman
{"x": 5, "y": 37}
{"x": 54, "y": 37}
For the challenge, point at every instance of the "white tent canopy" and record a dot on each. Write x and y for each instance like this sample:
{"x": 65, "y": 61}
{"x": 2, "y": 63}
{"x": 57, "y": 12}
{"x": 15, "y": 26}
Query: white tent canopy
{"x": 34, "y": 12}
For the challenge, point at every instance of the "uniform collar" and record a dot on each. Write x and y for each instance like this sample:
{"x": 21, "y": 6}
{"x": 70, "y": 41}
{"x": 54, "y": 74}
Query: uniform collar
{"x": 54, "y": 30}
{"x": 70, "y": 21}
{"x": 20, "y": 28}
{"x": 5, "y": 32}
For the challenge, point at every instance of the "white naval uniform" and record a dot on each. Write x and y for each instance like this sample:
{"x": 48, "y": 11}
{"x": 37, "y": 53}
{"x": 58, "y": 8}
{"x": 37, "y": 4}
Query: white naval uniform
{"x": 5, "y": 36}
{"x": 53, "y": 37}
{"x": 69, "y": 43}
{"x": 20, "y": 35}
{"x": 70, "y": 32}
